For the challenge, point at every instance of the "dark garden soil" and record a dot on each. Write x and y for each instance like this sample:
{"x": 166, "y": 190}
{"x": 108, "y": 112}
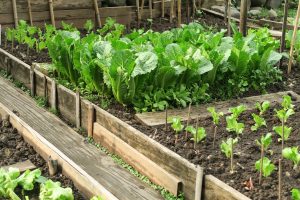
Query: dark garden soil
{"x": 14, "y": 149}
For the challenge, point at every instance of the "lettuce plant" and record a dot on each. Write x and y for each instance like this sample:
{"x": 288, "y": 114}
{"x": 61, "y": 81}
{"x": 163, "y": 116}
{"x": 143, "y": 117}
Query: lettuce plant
{"x": 227, "y": 149}
{"x": 216, "y": 120}
{"x": 286, "y": 131}
{"x": 197, "y": 135}
{"x": 264, "y": 143}
{"x": 233, "y": 125}
{"x": 259, "y": 122}
{"x": 262, "y": 107}
{"x": 237, "y": 111}
{"x": 292, "y": 154}
{"x": 295, "y": 194}
{"x": 176, "y": 126}
{"x": 89, "y": 26}
{"x": 267, "y": 166}
{"x": 8, "y": 183}
{"x": 53, "y": 191}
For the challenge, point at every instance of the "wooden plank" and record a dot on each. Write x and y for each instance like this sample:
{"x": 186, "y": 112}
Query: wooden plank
{"x": 77, "y": 108}
{"x": 53, "y": 95}
{"x": 51, "y": 136}
{"x": 32, "y": 82}
{"x": 158, "y": 118}
{"x": 22, "y": 166}
{"x": 199, "y": 183}
{"x": 134, "y": 158}
{"x": 91, "y": 119}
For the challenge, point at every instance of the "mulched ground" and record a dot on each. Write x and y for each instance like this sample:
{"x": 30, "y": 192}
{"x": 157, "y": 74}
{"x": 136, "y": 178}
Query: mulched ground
{"x": 14, "y": 149}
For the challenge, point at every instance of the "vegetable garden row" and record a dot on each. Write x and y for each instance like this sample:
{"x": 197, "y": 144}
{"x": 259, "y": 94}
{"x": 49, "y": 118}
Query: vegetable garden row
{"x": 152, "y": 71}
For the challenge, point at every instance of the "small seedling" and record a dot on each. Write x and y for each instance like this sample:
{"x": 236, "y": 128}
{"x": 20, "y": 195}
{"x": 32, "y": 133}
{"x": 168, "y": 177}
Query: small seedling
{"x": 287, "y": 102}
{"x": 292, "y": 154}
{"x": 263, "y": 107}
{"x": 267, "y": 166}
{"x": 89, "y": 26}
{"x": 264, "y": 143}
{"x": 237, "y": 111}
{"x": 176, "y": 126}
{"x": 295, "y": 194}
{"x": 227, "y": 149}
{"x": 197, "y": 135}
{"x": 286, "y": 132}
{"x": 233, "y": 125}
{"x": 259, "y": 122}
{"x": 216, "y": 120}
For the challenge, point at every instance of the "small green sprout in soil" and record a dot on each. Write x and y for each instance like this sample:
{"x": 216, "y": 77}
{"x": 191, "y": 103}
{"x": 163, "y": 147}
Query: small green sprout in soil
{"x": 262, "y": 107}
{"x": 295, "y": 194}
{"x": 237, "y": 111}
{"x": 216, "y": 120}
{"x": 259, "y": 122}
{"x": 267, "y": 166}
{"x": 176, "y": 126}
{"x": 233, "y": 125}
{"x": 227, "y": 148}
{"x": 292, "y": 154}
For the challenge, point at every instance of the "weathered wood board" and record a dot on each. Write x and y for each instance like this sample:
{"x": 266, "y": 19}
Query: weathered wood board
{"x": 159, "y": 118}
{"x": 69, "y": 144}
{"x": 22, "y": 166}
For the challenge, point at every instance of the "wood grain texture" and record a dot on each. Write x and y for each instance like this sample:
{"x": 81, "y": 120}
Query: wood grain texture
{"x": 137, "y": 160}
{"x": 72, "y": 146}
{"x": 158, "y": 118}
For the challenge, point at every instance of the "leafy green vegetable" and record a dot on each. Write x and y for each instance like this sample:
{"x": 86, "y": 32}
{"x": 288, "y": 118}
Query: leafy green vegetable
{"x": 233, "y": 125}
{"x": 176, "y": 126}
{"x": 28, "y": 178}
{"x": 287, "y": 102}
{"x": 216, "y": 116}
{"x": 226, "y": 147}
{"x": 8, "y": 183}
{"x": 198, "y": 135}
{"x": 262, "y": 107}
{"x": 265, "y": 141}
{"x": 283, "y": 114}
{"x": 259, "y": 122}
{"x": 53, "y": 191}
{"x": 292, "y": 153}
{"x": 267, "y": 168}
{"x": 89, "y": 26}
{"x": 237, "y": 111}
{"x": 295, "y": 194}
{"x": 287, "y": 131}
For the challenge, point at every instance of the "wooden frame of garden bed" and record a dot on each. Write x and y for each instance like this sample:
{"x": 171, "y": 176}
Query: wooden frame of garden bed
{"x": 90, "y": 115}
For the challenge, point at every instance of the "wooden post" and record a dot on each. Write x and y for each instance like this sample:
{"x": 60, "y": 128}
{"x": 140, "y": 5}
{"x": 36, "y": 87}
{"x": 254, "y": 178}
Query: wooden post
{"x": 32, "y": 81}
{"x": 52, "y": 166}
{"x": 15, "y": 11}
{"x": 53, "y": 95}
{"x": 188, "y": 14}
{"x": 194, "y": 8}
{"x": 97, "y": 13}
{"x": 150, "y": 8}
{"x": 279, "y": 179}
{"x": 77, "y": 109}
{"x": 229, "y": 18}
{"x": 171, "y": 10}
{"x": 138, "y": 12}
{"x": 45, "y": 89}
{"x": 162, "y": 8}
{"x": 142, "y": 9}
{"x": 282, "y": 46}
{"x": 199, "y": 182}
{"x": 51, "y": 13}
{"x": 243, "y": 17}
{"x": 179, "y": 13}
{"x": 293, "y": 39}
{"x": 91, "y": 119}
{"x": 29, "y": 12}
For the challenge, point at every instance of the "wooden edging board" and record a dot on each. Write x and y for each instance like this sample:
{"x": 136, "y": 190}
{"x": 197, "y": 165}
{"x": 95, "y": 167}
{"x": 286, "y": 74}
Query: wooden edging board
{"x": 85, "y": 183}
{"x": 174, "y": 164}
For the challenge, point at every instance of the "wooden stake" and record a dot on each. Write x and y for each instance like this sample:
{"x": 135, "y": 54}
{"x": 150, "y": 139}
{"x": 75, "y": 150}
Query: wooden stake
{"x": 150, "y": 8}
{"x": 14, "y": 4}
{"x": 52, "y": 166}
{"x": 282, "y": 46}
{"x": 179, "y": 13}
{"x": 45, "y": 89}
{"x": 91, "y": 120}
{"x": 138, "y": 12}
{"x": 225, "y": 10}
{"x": 53, "y": 95}
{"x": 77, "y": 109}
{"x": 282, "y": 141}
{"x": 231, "y": 157}
{"x": 261, "y": 162}
{"x": 32, "y": 81}
{"x": 52, "y": 13}
{"x": 166, "y": 124}
{"x": 199, "y": 182}
{"x": 29, "y": 12}
{"x": 279, "y": 179}
{"x": 171, "y": 11}
{"x": 215, "y": 133}
{"x": 293, "y": 39}
{"x": 142, "y": 9}
{"x": 96, "y": 7}
{"x": 188, "y": 14}
{"x": 195, "y": 139}
{"x": 194, "y": 8}
{"x": 162, "y": 8}
{"x": 188, "y": 121}
{"x": 243, "y": 17}
{"x": 229, "y": 18}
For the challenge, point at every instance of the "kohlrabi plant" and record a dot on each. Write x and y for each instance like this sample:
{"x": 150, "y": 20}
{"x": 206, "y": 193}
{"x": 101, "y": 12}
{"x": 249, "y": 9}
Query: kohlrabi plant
{"x": 198, "y": 134}
{"x": 233, "y": 125}
{"x": 216, "y": 120}
{"x": 267, "y": 166}
{"x": 227, "y": 148}
{"x": 262, "y": 107}
{"x": 264, "y": 143}
{"x": 259, "y": 122}
{"x": 292, "y": 154}
{"x": 176, "y": 126}
{"x": 237, "y": 111}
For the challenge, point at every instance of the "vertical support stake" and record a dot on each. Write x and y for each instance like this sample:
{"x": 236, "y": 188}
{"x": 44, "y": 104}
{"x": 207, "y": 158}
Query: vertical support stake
{"x": 32, "y": 81}
{"x": 53, "y": 95}
{"x": 78, "y": 110}
{"x": 162, "y": 8}
{"x": 14, "y": 4}
{"x": 91, "y": 120}
{"x": 51, "y": 12}
{"x": 97, "y": 13}
{"x": 29, "y": 12}
{"x": 179, "y": 13}
{"x": 199, "y": 182}
{"x": 243, "y": 17}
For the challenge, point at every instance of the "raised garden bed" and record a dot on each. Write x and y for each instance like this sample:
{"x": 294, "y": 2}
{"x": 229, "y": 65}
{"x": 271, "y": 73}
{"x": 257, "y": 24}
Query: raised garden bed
{"x": 13, "y": 149}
